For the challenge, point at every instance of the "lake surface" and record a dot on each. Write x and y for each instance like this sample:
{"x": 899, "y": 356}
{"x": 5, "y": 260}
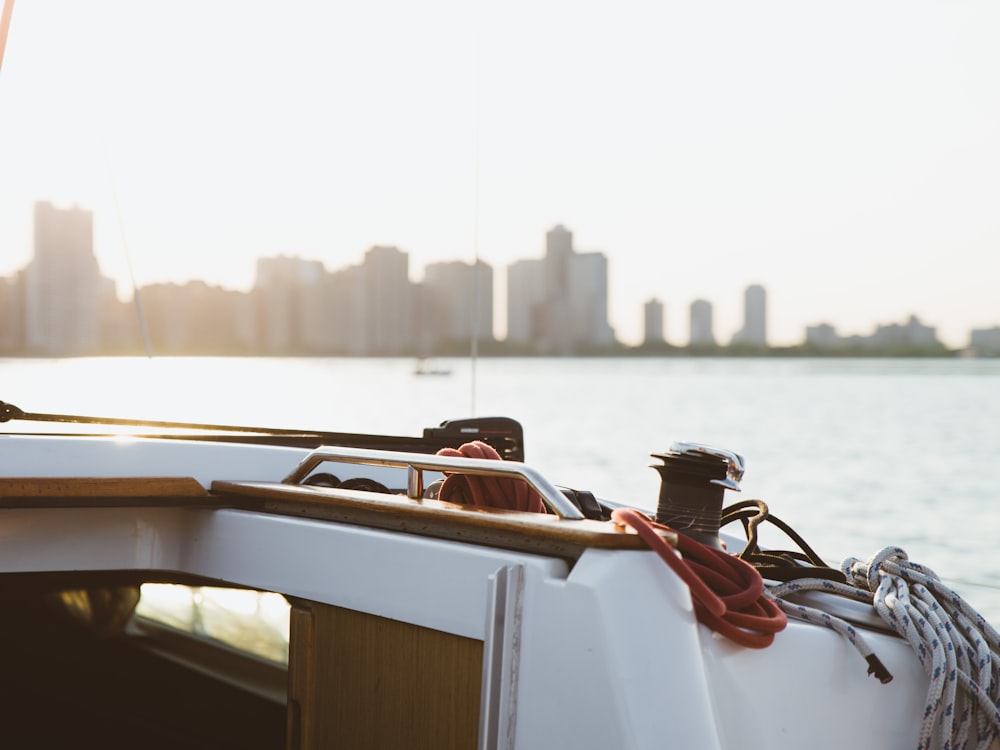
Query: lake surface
{"x": 854, "y": 454}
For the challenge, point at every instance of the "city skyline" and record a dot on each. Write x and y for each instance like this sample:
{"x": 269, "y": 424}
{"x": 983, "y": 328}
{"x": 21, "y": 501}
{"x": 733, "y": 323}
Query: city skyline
{"x": 700, "y": 148}
{"x": 61, "y": 302}
{"x": 677, "y": 312}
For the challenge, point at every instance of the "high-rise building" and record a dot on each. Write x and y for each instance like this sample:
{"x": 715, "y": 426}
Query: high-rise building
{"x": 197, "y": 318}
{"x": 822, "y": 336}
{"x": 652, "y": 315}
{"x": 559, "y": 303}
{"x": 291, "y": 301}
{"x": 64, "y": 289}
{"x": 558, "y": 255}
{"x": 11, "y": 319}
{"x": 912, "y": 333}
{"x": 985, "y": 340}
{"x": 388, "y": 301}
{"x": 345, "y": 293}
{"x": 554, "y": 317}
{"x": 754, "y": 331}
{"x": 588, "y": 300}
{"x": 525, "y": 296}
{"x": 458, "y": 304}
{"x": 701, "y": 323}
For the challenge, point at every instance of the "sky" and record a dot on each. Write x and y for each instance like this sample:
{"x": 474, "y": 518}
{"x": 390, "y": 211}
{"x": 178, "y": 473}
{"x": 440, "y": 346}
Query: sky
{"x": 844, "y": 155}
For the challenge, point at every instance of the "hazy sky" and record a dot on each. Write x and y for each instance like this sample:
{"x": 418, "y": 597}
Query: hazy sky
{"x": 846, "y": 155}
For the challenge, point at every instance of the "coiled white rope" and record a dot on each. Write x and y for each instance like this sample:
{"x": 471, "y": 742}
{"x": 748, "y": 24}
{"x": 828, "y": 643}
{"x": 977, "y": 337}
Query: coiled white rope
{"x": 957, "y": 648}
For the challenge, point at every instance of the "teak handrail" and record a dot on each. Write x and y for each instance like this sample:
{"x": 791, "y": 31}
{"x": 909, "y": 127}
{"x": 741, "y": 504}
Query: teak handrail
{"x": 539, "y": 533}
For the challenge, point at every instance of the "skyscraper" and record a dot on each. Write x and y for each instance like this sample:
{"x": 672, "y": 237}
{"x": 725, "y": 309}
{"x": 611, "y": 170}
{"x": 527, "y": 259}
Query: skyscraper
{"x": 388, "y": 301}
{"x": 525, "y": 295}
{"x": 559, "y": 303}
{"x": 63, "y": 284}
{"x": 652, "y": 313}
{"x": 588, "y": 300}
{"x": 701, "y": 323}
{"x": 290, "y": 295}
{"x": 458, "y": 303}
{"x": 754, "y": 331}
{"x": 558, "y": 255}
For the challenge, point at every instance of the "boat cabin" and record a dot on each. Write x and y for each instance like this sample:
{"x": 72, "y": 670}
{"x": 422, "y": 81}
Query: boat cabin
{"x": 210, "y": 593}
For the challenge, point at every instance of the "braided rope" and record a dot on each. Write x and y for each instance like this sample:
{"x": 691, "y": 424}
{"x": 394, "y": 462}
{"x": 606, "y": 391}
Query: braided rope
{"x": 958, "y": 650}
{"x": 819, "y": 617}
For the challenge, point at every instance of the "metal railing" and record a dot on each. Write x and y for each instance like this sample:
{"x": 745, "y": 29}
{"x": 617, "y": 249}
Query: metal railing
{"x": 417, "y": 463}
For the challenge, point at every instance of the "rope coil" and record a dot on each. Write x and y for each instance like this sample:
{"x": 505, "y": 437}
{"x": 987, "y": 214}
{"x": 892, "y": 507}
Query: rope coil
{"x": 728, "y": 593}
{"x": 958, "y": 649}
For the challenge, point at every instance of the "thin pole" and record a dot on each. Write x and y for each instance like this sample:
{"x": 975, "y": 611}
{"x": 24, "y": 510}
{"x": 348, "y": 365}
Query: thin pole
{"x": 136, "y": 297}
{"x": 477, "y": 292}
{"x": 8, "y": 9}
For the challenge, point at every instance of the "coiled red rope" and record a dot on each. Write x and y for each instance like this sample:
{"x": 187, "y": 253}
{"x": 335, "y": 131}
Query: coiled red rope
{"x": 487, "y": 492}
{"x": 728, "y": 593}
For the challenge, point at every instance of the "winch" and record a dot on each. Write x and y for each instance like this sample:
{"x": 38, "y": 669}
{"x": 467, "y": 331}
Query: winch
{"x": 693, "y": 478}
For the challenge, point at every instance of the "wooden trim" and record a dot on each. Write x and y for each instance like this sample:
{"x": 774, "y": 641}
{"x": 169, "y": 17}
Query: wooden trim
{"x": 88, "y": 491}
{"x": 540, "y": 533}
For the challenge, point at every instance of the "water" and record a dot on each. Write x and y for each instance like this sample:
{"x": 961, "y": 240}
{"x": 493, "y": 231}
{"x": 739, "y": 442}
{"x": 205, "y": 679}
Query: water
{"x": 854, "y": 454}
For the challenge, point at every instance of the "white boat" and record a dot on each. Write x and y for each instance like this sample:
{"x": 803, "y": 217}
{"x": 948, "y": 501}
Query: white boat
{"x": 416, "y": 622}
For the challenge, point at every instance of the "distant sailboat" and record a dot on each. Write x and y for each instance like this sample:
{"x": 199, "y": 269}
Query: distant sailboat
{"x": 422, "y": 368}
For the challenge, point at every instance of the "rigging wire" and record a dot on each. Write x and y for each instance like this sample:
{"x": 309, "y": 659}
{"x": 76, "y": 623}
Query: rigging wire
{"x": 136, "y": 296}
{"x": 119, "y": 219}
{"x": 477, "y": 284}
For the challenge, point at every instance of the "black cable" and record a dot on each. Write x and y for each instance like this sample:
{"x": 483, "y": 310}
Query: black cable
{"x": 778, "y": 565}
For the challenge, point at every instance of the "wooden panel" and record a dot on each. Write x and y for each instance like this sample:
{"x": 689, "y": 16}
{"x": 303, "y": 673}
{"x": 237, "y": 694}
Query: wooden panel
{"x": 540, "y": 533}
{"x": 361, "y": 681}
{"x": 301, "y": 678}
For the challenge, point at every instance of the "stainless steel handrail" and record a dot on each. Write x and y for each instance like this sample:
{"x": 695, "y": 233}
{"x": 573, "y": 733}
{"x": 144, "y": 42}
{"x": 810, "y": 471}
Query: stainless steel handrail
{"x": 417, "y": 463}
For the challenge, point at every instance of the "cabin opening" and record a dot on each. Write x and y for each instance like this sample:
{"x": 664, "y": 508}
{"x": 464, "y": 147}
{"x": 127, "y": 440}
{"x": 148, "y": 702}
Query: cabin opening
{"x": 194, "y": 666}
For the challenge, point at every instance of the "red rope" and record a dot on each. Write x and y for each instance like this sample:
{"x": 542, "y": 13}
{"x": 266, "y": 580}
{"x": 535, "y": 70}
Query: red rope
{"x": 487, "y": 492}
{"x": 728, "y": 593}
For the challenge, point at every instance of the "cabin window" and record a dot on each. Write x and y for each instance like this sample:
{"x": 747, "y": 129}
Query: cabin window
{"x": 256, "y": 622}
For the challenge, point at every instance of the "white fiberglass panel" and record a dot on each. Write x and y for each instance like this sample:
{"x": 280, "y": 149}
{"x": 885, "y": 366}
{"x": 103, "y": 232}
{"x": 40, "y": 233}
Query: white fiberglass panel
{"x": 429, "y": 582}
{"x": 35, "y": 456}
{"x": 811, "y": 688}
{"x": 76, "y": 539}
{"x": 620, "y": 635}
